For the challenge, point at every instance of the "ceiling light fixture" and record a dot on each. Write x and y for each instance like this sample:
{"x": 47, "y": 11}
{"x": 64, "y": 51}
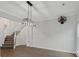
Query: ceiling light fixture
{"x": 29, "y": 3}
{"x": 62, "y": 19}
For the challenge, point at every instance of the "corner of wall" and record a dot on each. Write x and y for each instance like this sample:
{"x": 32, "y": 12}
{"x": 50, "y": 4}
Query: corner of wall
{"x": 77, "y": 54}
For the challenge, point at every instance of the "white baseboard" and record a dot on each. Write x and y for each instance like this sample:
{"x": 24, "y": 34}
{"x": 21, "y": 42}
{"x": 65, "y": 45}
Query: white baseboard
{"x": 54, "y": 49}
{"x": 20, "y": 44}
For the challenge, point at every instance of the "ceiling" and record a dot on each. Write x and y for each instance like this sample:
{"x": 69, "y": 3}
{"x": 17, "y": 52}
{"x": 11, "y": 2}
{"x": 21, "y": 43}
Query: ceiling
{"x": 41, "y": 10}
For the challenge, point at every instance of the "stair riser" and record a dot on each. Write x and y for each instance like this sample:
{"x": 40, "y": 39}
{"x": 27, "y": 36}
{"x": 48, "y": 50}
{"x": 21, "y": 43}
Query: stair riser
{"x": 7, "y": 45}
{"x": 9, "y": 40}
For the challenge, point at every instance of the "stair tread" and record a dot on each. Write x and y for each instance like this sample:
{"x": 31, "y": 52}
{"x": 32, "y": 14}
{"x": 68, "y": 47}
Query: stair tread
{"x": 7, "y": 46}
{"x": 8, "y": 43}
{"x": 8, "y": 40}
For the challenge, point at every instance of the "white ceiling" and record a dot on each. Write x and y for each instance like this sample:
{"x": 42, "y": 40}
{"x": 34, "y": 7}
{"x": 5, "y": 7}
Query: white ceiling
{"x": 41, "y": 10}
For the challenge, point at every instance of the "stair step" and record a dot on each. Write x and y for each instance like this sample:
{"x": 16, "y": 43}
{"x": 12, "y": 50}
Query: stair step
{"x": 7, "y": 45}
{"x": 9, "y": 36}
{"x": 8, "y": 42}
{"x": 8, "y": 39}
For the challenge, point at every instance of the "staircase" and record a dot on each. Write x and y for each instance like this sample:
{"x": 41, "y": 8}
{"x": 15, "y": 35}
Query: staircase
{"x": 9, "y": 41}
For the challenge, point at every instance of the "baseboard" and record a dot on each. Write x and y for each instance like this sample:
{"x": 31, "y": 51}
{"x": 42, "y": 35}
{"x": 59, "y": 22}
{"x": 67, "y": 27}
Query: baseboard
{"x": 20, "y": 44}
{"x": 54, "y": 49}
{"x": 77, "y": 54}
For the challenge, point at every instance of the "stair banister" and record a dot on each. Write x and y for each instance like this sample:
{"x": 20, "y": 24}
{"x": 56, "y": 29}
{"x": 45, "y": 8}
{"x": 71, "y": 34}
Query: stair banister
{"x": 15, "y": 35}
{"x": 14, "y": 40}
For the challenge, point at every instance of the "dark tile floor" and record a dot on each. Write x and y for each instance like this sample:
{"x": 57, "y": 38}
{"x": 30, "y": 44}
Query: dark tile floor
{"x": 23, "y": 51}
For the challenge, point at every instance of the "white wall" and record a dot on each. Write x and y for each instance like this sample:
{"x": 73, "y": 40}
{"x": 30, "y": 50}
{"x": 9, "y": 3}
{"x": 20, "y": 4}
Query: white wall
{"x": 3, "y": 29}
{"x": 77, "y": 33}
{"x": 21, "y": 38}
{"x": 55, "y": 36}
{"x": 77, "y": 50}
